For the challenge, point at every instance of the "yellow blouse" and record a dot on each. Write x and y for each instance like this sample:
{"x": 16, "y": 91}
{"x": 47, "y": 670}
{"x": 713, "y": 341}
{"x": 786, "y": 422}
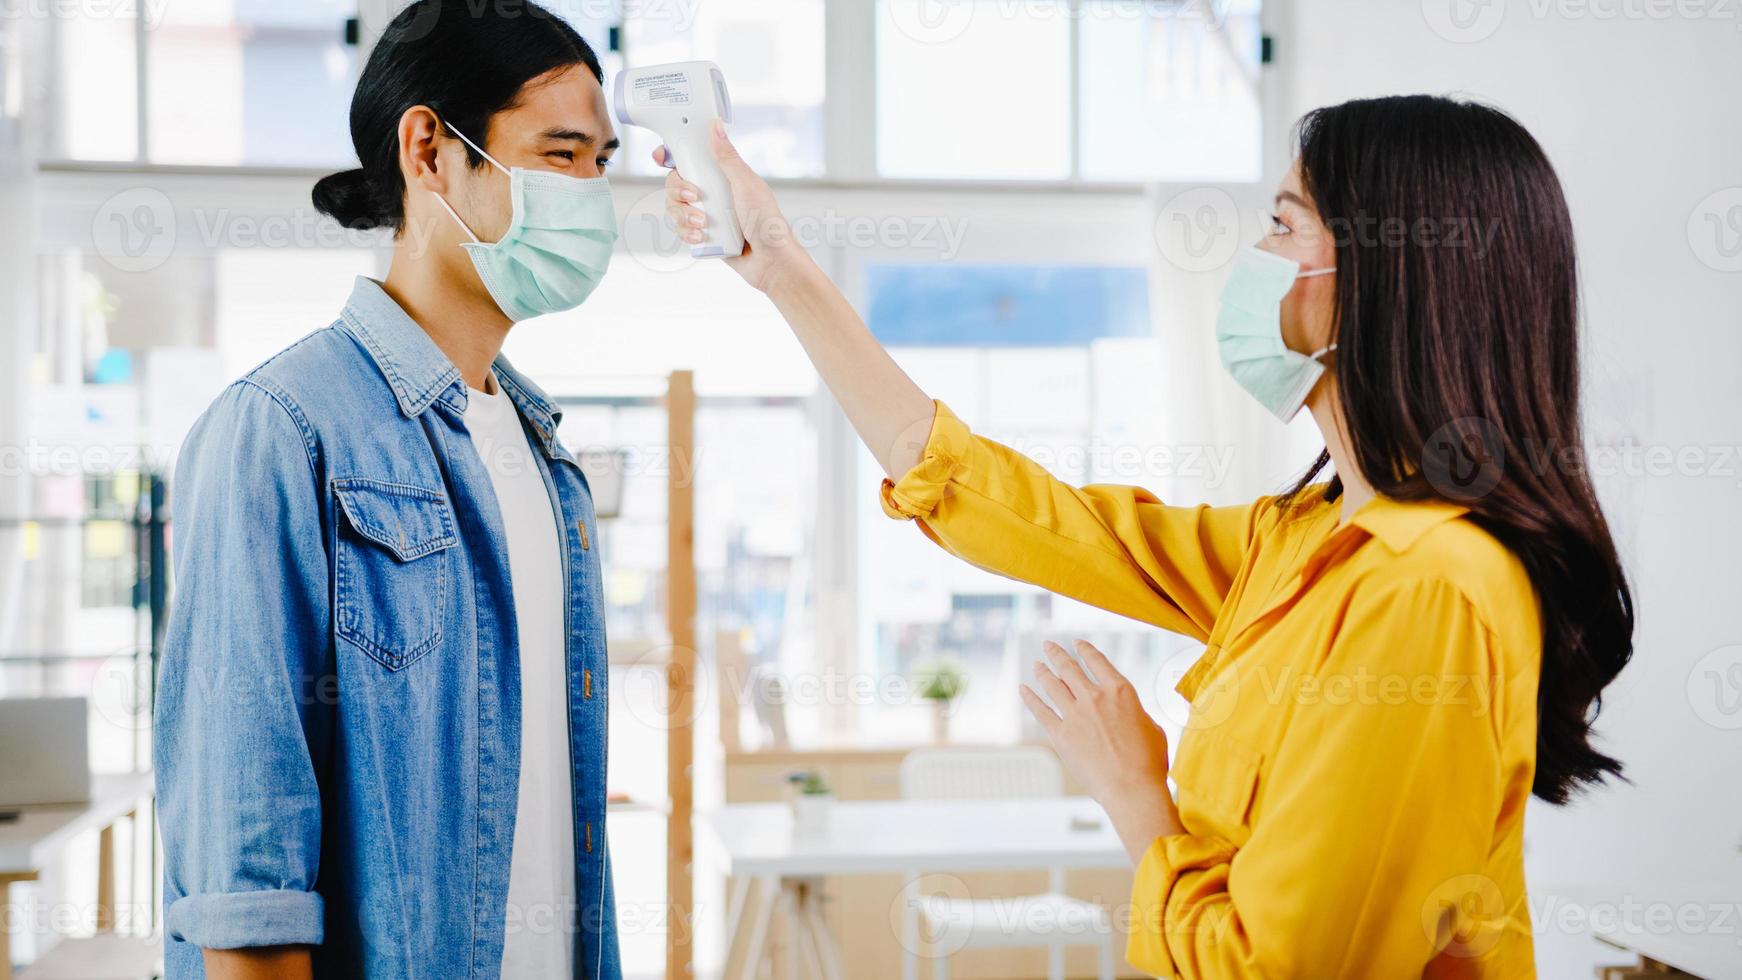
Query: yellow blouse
{"x": 1353, "y": 777}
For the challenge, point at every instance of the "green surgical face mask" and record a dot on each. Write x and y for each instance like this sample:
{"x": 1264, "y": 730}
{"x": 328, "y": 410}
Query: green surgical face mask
{"x": 557, "y": 246}
{"x": 1249, "y": 332}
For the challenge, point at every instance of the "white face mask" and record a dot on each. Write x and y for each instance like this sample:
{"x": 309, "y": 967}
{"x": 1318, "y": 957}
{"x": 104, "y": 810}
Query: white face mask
{"x": 1249, "y": 332}
{"x": 557, "y": 246}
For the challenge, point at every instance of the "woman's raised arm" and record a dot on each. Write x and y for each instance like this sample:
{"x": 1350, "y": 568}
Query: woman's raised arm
{"x": 890, "y": 413}
{"x": 1115, "y": 547}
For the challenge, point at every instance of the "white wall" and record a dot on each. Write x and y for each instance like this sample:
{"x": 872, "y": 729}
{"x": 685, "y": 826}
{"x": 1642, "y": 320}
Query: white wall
{"x": 1638, "y": 110}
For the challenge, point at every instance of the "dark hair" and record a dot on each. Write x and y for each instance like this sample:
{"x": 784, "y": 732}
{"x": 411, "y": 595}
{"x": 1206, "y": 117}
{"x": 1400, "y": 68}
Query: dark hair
{"x": 467, "y": 61}
{"x": 1457, "y": 370}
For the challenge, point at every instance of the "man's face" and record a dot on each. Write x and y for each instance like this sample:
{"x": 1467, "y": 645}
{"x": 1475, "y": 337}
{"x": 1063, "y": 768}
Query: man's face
{"x": 560, "y": 123}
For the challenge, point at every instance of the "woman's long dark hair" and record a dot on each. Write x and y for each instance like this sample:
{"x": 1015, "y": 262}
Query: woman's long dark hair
{"x": 464, "y": 59}
{"x": 1457, "y": 370}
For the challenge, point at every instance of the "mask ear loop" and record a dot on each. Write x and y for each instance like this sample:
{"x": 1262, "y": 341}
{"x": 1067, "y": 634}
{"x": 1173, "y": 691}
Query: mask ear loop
{"x": 480, "y": 149}
{"x": 444, "y": 202}
{"x": 1309, "y": 274}
{"x": 457, "y": 219}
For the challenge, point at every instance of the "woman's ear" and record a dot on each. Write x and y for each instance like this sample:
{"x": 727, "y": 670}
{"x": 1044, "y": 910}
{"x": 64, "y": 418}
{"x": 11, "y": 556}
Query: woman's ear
{"x": 420, "y": 139}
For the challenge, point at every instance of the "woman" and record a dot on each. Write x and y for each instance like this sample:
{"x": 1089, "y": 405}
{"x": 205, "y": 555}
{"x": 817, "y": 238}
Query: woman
{"x": 1396, "y": 658}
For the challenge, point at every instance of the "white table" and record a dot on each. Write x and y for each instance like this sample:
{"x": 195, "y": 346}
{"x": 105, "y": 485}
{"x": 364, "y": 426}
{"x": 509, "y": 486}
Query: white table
{"x": 761, "y": 850}
{"x": 1631, "y": 922}
{"x": 31, "y": 842}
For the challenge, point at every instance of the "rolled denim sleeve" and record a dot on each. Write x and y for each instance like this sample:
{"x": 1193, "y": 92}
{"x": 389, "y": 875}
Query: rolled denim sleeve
{"x": 242, "y": 723}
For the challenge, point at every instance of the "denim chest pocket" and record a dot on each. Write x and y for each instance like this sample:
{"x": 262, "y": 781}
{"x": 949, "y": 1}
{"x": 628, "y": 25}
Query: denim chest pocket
{"x": 392, "y": 568}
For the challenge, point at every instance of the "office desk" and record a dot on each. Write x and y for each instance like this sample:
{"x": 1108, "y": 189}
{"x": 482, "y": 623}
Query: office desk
{"x": 877, "y": 837}
{"x": 35, "y": 839}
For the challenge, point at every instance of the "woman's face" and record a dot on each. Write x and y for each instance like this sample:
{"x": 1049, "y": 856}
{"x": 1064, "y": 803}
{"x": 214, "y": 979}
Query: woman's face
{"x": 1297, "y": 233}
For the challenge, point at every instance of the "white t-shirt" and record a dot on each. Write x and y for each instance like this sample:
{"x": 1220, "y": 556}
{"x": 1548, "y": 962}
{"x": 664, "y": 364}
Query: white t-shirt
{"x": 540, "y": 941}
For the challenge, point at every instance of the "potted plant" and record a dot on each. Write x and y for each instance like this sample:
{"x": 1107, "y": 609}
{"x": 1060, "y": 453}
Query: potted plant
{"x": 811, "y": 798}
{"x": 941, "y": 684}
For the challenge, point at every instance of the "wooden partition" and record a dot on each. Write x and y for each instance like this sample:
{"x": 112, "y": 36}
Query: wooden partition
{"x": 680, "y": 669}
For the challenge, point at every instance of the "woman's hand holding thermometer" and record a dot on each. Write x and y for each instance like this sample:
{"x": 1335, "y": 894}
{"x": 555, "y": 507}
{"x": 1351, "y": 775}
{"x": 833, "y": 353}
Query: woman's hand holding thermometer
{"x": 768, "y": 247}
{"x": 683, "y": 102}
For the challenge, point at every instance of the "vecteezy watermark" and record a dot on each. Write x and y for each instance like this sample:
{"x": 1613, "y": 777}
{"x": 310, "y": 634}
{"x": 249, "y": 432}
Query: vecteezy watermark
{"x": 680, "y": 15}
{"x": 1631, "y": 916}
{"x": 1201, "y": 229}
{"x": 661, "y": 693}
{"x": 1463, "y": 21}
{"x": 943, "y": 21}
{"x": 37, "y": 458}
{"x": 930, "y": 21}
{"x": 1636, "y": 10}
{"x": 1469, "y": 21}
{"x": 30, "y": 914}
{"x": 933, "y": 915}
{"x": 135, "y": 230}
{"x": 149, "y": 12}
{"x": 651, "y": 239}
{"x": 1127, "y": 462}
{"x": 138, "y": 229}
{"x": 1222, "y": 690}
{"x": 1198, "y": 230}
{"x": 1464, "y": 916}
{"x": 121, "y": 691}
{"x": 1715, "y": 230}
{"x": 616, "y": 461}
{"x": 1464, "y": 459}
{"x": 1715, "y": 687}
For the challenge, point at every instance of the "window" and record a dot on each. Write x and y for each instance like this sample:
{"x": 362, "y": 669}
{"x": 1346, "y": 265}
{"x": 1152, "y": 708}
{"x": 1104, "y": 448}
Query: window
{"x": 1095, "y": 90}
{"x": 250, "y": 82}
{"x": 227, "y": 83}
{"x": 1169, "y": 91}
{"x": 983, "y": 357}
{"x": 771, "y": 52}
{"x": 1006, "y": 306}
{"x": 1163, "y": 91}
{"x": 972, "y": 89}
{"x": 92, "y": 107}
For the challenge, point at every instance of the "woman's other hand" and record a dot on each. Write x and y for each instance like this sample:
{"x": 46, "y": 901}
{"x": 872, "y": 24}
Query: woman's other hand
{"x": 1107, "y": 741}
{"x": 769, "y": 249}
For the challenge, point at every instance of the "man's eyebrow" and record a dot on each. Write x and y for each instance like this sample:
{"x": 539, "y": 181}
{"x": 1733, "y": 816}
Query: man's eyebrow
{"x": 574, "y": 135}
{"x": 1292, "y": 197}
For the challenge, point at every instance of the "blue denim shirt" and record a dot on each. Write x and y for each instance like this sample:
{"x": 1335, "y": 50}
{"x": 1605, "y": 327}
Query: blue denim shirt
{"x": 338, "y": 712}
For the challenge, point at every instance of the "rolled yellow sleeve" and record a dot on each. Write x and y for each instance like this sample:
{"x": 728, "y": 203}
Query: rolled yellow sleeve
{"x": 1187, "y": 871}
{"x": 947, "y": 448}
{"x": 1369, "y": 840}
{"x": 1115, "y": 547}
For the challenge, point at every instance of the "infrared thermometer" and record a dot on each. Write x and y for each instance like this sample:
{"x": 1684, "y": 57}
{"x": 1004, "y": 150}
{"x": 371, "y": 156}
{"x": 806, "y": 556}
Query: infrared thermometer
{"x": 680, "y": 102}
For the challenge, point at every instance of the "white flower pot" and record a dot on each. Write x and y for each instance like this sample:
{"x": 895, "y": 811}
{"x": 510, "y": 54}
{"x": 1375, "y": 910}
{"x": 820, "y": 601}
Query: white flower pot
{"x": 940, "y": 721}
{"x": 810, "y": 813}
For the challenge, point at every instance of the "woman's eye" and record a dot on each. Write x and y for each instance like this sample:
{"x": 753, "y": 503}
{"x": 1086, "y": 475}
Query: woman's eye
{"x": 604, "y": 162}
{"x": 565, "y": 154}
{"x": 1277, "y": 227}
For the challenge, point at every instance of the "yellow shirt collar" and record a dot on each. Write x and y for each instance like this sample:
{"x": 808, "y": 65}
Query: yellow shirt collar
{"x": 1398, "y": 524}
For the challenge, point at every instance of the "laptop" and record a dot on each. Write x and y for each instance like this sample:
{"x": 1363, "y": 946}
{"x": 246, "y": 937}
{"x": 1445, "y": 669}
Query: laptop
{"x": 43, "y": 755}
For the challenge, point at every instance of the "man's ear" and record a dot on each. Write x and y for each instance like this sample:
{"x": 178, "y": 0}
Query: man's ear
{"x": 420, "y": 140}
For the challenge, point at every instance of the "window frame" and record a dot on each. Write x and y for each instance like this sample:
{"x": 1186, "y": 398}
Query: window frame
{"x": 849, "y": 106}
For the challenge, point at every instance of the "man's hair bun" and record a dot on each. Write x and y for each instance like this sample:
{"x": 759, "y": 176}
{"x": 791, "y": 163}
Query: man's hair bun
{"x": 348, "y": 198}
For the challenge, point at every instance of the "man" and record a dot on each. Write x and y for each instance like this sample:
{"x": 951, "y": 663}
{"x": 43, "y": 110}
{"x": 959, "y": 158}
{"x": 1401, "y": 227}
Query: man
{"x": 382, "y": 721}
